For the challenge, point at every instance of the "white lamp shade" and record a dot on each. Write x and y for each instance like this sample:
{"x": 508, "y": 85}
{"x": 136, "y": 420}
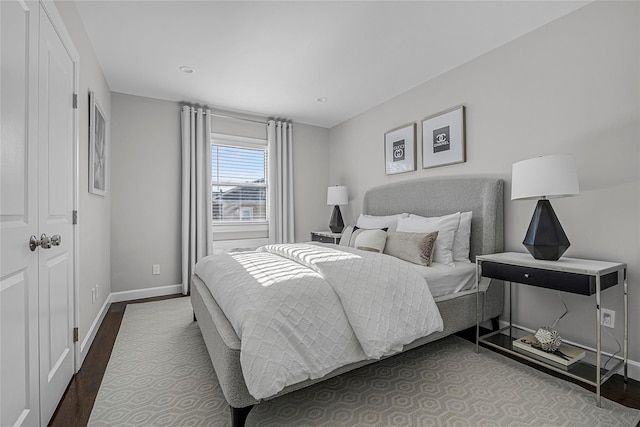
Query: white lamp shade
{"x": 544, "y": 177}
{"x": 337, "y": 195}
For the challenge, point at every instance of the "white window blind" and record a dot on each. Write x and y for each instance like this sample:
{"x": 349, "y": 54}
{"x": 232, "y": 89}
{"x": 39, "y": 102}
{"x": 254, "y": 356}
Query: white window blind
{"x": 239, "y": 182}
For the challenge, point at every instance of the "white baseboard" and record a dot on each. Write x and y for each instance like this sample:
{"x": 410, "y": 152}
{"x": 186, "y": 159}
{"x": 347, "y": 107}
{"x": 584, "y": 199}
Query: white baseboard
{"x": 633, "y": 367}
{"x": 119, "y": 297}
{"x": 93, "y": 330}
{"x": 145, "y": 293}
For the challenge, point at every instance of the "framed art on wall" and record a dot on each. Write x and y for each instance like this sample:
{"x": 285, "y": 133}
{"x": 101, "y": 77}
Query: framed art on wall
{"x": 97, "y": 148}
{"x": 443, "y": 138}
{"x": 400, "y": 149}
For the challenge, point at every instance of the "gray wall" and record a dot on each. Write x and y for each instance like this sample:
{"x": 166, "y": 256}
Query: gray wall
{"x": 94, "y": 213}
{"x": 146, "y": 174}
{"x": 146, "y": 202}
{"x": 570, "y": 87}
{"x": 310, "y": 180}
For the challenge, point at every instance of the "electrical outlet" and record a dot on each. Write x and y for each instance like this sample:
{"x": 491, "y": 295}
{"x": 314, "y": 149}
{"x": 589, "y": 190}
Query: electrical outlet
{"x": 93, "y": 295}
{"x": 608, "y": 318}
{"x": 156, "y": 269}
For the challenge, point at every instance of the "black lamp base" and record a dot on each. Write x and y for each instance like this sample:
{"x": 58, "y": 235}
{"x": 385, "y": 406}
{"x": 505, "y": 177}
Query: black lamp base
{"x": 545, "y": 237}
{"x": 336, "y": 224}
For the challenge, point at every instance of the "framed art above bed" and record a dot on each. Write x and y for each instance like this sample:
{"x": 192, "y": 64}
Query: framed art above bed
{"x": 443, "y": 138}
{"x": 400, "y": 149}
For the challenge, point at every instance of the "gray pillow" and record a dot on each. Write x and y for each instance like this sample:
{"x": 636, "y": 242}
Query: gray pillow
{"x": 413, "y": 247}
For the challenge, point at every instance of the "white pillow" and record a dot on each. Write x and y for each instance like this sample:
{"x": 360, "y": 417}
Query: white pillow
{"x": 368, "y": 240}
{"x": 371, "y": 221}
{"x": 462, "y": 238}
{"x": 446, "y": 227}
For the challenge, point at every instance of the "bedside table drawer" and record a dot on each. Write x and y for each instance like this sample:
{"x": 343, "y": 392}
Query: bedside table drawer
{"x": 322, "y": 239}
{"x": 549, "y": 279}
{"x": 326, "y": 237}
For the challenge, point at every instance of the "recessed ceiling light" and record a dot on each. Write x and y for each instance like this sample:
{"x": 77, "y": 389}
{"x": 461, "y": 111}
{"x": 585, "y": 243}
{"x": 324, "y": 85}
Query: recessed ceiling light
{"x": 321, "y": 99}
{"x": 187, "y": 70}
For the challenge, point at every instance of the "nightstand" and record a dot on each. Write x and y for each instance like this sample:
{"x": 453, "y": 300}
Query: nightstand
{"x": 578, "y": 276}
{"x": 325, "y": 237}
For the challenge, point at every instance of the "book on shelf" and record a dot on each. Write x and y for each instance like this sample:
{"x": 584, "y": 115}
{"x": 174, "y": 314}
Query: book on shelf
{"x": 564, "y": 357}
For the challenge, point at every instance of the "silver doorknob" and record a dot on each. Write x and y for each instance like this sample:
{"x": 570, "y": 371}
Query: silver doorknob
{"x": 33, "y": 243}
{"x": 56, "y": 240}
{"x": 45, "y": 241}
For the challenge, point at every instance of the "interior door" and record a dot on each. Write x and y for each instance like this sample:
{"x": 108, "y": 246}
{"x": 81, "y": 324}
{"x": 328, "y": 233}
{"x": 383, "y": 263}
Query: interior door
{"x": 19, "y": 401}
{"x": 55, "y": 194}
{"x": 36, "y": 198}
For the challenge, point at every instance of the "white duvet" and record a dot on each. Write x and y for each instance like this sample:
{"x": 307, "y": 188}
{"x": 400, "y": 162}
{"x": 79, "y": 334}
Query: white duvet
{"x": 303, "y": 310}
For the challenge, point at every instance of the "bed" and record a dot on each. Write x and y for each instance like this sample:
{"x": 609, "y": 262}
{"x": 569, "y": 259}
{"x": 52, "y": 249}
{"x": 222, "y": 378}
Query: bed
{"x": 431, "y": 197}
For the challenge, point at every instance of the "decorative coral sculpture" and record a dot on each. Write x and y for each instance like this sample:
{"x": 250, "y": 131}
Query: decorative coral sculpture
{"x": 548, "y": 338}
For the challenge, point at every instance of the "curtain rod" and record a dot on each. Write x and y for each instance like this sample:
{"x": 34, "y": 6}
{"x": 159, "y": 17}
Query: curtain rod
{"x": 228, "y": 117}
{"x": 237, "y": 118}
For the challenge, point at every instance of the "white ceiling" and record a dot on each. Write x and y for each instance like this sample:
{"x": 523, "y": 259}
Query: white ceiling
{"x": 276, "y": 58}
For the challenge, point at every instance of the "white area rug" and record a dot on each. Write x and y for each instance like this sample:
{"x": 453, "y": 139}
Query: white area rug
{"x": 160, "y": 374}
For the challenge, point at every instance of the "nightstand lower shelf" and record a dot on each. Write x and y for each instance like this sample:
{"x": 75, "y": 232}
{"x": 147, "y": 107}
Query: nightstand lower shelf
{"x": 580, "y": 370}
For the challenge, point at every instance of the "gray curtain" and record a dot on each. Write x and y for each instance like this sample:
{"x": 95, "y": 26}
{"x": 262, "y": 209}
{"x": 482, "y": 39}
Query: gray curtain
{"x": 280, "y": 142}
{"x": 196, "y": 189}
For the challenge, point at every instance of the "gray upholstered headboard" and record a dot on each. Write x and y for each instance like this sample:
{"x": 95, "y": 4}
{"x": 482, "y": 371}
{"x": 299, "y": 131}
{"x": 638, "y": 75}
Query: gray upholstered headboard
{"x": 440, "y": 196}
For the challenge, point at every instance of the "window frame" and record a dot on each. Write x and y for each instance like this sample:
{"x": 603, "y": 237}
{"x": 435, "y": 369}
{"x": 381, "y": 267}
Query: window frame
{"x": 231, "y": 228}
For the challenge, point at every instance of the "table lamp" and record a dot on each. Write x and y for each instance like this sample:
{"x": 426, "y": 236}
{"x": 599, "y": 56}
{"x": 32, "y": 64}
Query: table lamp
{"x": 337, "y": 195}
{"x": 544, "y": 178}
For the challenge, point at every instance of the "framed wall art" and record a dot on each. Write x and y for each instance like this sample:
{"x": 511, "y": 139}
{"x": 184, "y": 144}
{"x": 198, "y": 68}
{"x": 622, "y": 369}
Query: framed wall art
{"x": 443, "y": 138}
{"x": 97, "y": 148}
{"x": 400, "y": 149}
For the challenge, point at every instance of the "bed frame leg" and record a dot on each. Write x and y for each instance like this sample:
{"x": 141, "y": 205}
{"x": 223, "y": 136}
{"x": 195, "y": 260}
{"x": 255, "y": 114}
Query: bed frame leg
{"x": 194, "y": 317}
{"x": 495, "y": 323}
{"x": 239, "y": 415}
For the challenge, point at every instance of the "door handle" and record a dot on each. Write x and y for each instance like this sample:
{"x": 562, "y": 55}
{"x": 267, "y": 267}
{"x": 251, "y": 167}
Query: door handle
{"x": 34, "y": 242}
{"x": 45, "y": 242}
{"x": 56, "y": 240}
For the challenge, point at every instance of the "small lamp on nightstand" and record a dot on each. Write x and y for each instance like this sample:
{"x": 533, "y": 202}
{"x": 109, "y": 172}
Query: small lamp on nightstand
{"x": 337, "y": 195}
{"x": 544, "y": 178}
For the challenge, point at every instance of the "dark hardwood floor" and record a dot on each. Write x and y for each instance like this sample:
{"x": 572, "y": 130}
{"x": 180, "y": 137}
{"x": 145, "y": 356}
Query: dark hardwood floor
{"x": 75, "y": 406}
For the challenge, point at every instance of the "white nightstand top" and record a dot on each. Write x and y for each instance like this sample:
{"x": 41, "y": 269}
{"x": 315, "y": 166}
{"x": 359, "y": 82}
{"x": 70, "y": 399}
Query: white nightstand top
{"x": 327, "y": 234}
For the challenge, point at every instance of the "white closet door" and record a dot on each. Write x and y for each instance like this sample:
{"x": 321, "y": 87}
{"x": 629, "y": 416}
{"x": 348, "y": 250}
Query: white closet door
{"x": 19, "y": 372}
{"x": 36, "y": 198}
{"x": 55, "y": 122}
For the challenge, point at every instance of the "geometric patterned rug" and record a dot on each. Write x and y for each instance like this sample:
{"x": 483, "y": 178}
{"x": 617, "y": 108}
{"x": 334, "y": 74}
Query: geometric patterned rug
{"x": 160, "y": 374}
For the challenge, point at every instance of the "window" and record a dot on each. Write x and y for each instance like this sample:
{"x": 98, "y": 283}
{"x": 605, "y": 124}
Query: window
{"x": 238, "y": 181}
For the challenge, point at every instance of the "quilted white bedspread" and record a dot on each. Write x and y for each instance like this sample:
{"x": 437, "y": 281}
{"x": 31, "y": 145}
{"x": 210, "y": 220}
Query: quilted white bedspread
{"x": 303, "y": 310}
